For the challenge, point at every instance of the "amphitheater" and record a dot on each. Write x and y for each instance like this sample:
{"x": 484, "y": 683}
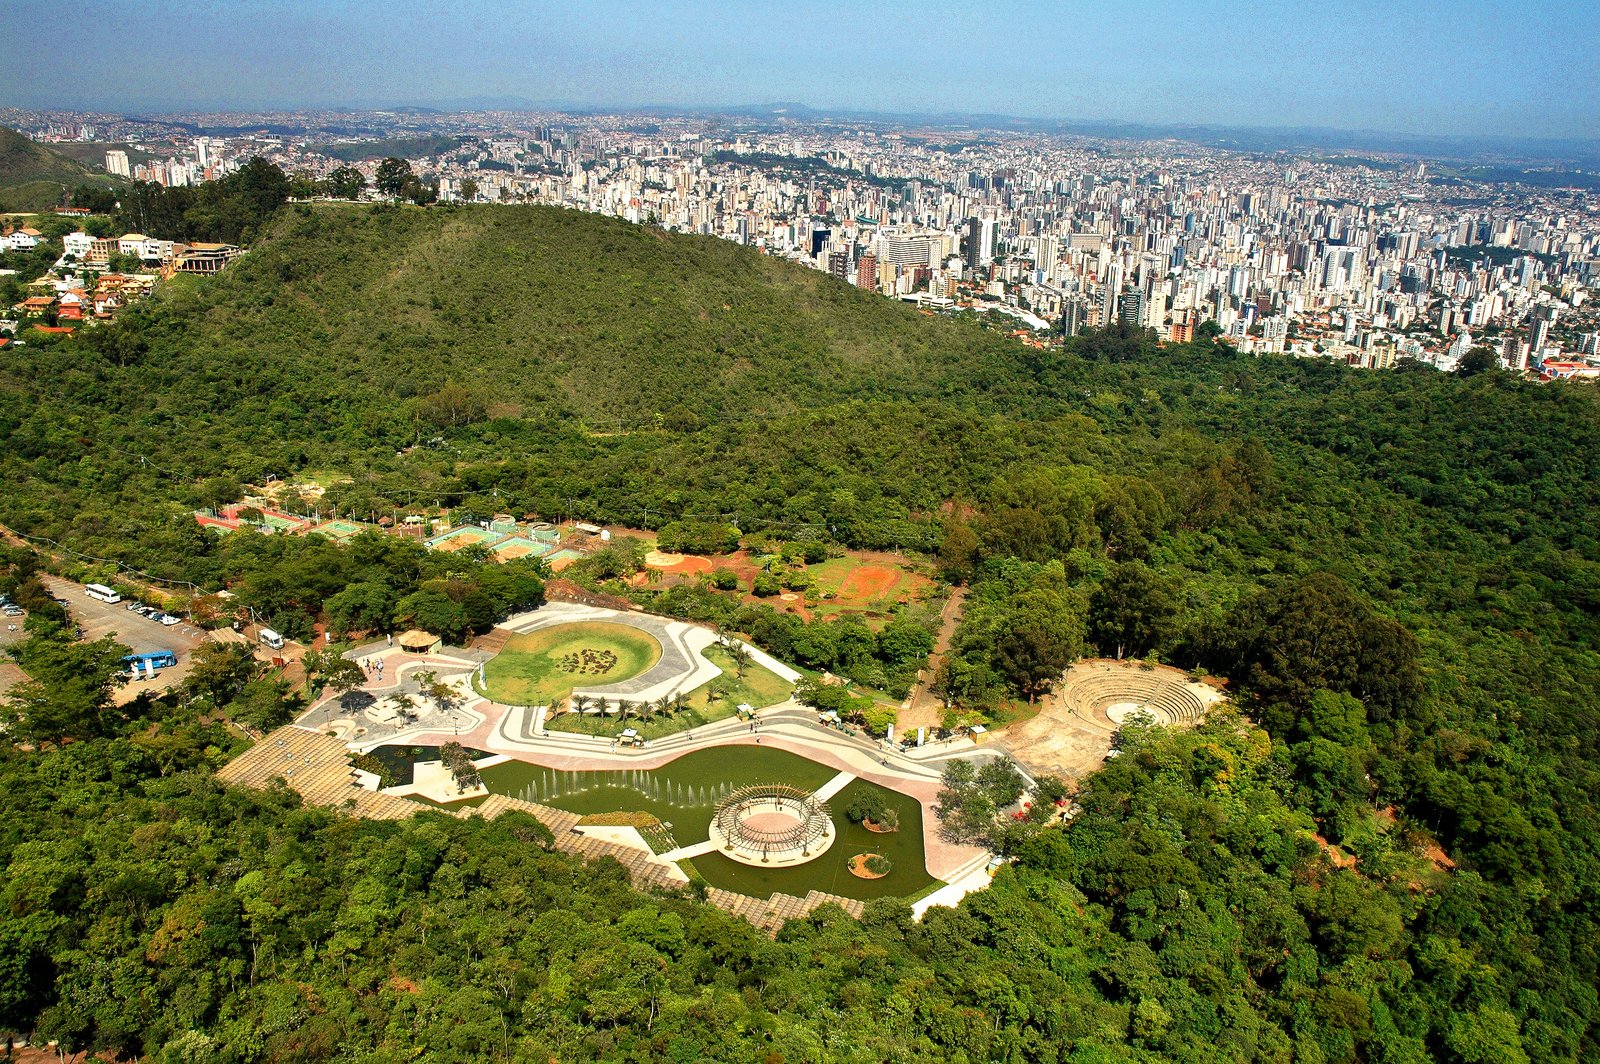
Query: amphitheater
{"x": 1074, "y": 729}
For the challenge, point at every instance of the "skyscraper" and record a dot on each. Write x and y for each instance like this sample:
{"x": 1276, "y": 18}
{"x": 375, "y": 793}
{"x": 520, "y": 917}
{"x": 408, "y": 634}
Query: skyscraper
{"x": 1072, "y": 316}
{"x": 981, "y": 238}
{"x": 867, "y": 272}
{"x": 1113, "y": 291}
{"x": 1539, "y": 323}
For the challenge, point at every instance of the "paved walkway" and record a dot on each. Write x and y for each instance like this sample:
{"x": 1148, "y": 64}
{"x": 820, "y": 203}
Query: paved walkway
{"x": 681, "y": 667}
{"x": 834, "y": 786}
{"x": 508, "y": 731}
{"x": 683, "y": 853}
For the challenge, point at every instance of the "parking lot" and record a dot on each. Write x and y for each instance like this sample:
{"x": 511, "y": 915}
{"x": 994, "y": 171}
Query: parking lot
{"x": 141, "y": 634}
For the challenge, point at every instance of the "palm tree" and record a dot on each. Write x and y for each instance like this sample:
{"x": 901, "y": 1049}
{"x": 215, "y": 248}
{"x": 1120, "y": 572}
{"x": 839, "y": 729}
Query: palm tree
{"x": 679, "y": 700}
{"x": 580, "y": 704}
{"x": 602, "y": 705}
{"x": 663, "y": 705}
{"x": 741, "y": 658}
{"x": 624, "y": 709}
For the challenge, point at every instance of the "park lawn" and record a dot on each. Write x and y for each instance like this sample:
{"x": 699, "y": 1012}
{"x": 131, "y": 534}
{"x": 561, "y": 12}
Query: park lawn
{"x": 759, "y": 687}
{"x": 527, "y": 671}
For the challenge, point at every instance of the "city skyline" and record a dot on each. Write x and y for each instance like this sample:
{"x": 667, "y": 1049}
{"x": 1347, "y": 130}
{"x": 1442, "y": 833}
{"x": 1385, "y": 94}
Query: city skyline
{"x": 1508, "y": 71}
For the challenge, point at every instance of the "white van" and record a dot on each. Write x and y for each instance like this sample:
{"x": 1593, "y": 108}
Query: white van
{"x": 271, "y": 639}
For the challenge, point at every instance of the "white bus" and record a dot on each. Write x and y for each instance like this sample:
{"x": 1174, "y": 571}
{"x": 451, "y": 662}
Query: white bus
{"x": 101, "y": 592}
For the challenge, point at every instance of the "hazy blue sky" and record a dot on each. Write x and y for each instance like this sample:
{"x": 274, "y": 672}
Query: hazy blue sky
{"x": 1422, "y": 66}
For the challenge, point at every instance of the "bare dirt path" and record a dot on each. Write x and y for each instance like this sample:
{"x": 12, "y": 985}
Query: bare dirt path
{"x": 924, "y": 709}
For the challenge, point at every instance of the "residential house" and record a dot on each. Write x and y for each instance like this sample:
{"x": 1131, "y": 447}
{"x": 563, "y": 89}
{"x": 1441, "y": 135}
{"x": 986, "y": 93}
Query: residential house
{"x": 23, "y": 239}
{"x": 100, "y": 252}
{"x": 153, "y": 250}
{"x": 77, "y": 244}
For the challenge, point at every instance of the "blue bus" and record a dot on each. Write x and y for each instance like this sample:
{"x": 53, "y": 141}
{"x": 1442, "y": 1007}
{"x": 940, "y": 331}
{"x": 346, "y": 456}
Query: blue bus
{"x": 149, "y": 663}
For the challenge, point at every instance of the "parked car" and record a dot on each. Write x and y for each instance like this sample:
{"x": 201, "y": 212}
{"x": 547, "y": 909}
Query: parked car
{"x": 134, "y": 606}
{"x": 14, "y": 611}
{"x": 168, "y": 619}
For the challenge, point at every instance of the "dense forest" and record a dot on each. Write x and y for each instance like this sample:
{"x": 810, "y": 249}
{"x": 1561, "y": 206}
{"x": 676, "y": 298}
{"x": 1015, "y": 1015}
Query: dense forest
{"x": 1399, "y": 573}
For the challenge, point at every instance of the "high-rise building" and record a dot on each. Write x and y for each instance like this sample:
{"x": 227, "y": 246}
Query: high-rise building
{"x": 1131, "y": 308}
{"x": 1539, "y": 323}
{"x": 1112, "y": 293}
{"x": 1072, "y": 316}
{"x": 982, "y": 235}
{"x": 1513, "y": 353}
{"x": 867, "y": 272}
{"x": 1048, "y": 251}
{"x": 839, "y": 264}
{"x": 1274, "y": 334}
{"x": 117, "y": 163}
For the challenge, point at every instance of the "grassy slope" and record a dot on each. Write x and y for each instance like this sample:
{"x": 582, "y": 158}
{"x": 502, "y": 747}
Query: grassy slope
{"x": 536, "y": 309}
{"x": 32, "y": 175}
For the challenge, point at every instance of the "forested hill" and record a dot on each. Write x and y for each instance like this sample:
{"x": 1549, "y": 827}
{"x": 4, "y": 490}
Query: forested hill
{"x": 539, "y": 309}
{"x": 1399, "y": 573}
{"x": 32, "y": 176}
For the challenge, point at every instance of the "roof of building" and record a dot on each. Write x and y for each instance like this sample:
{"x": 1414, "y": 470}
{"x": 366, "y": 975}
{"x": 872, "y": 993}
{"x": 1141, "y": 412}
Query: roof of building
{"x": 416, "y": 637}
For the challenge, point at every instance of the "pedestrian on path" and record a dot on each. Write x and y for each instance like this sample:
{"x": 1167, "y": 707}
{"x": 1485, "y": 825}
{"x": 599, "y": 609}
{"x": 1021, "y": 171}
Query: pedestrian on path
{"x": 390, "y": 638}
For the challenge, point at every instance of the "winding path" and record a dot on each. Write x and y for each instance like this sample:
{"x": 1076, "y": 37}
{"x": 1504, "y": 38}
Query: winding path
{"x": 509, "y": 730}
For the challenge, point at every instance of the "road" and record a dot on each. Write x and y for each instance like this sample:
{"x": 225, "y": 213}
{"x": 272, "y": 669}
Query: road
{"x": 141, "y": 634}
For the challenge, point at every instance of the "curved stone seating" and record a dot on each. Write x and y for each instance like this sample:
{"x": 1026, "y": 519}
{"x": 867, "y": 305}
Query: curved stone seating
{"x": 1093, "y": 691}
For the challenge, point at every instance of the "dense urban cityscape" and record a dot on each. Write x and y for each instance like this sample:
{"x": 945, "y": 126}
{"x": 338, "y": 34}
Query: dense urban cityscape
{"x": 1359, "y": 259}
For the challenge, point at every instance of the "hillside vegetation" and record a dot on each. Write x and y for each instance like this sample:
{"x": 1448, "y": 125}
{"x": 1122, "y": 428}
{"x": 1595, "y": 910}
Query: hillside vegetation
{"x": 1399, "y": 573}
{"x": 545, "y": 309}
{"x": 33, "y": 177}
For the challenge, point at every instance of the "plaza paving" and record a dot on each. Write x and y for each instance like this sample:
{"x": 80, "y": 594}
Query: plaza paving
{"x": 481, "y": 724}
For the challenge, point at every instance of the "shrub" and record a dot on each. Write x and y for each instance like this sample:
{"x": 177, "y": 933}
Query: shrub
{"x": 698, "y": 537}
{"x": 724, "y": 579}
{"x": 766, "y": 585}
{"x": 878, "y": 864}
{"x": 868, "y": 805}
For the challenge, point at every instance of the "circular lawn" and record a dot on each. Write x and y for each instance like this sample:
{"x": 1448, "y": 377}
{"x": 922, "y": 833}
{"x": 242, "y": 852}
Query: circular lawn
{"x": 542, "y": 667}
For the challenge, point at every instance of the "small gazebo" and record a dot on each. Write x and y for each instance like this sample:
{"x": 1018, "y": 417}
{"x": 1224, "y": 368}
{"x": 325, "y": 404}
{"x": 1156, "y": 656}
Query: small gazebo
{"x": 416, "y": 641}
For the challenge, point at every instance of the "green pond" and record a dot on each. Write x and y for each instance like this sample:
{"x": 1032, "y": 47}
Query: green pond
{"x": 684, "y": 793}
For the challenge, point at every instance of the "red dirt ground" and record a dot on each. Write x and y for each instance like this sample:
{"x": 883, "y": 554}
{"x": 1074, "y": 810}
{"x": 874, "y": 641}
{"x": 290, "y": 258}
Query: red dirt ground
{"x": 868, "y": 583}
